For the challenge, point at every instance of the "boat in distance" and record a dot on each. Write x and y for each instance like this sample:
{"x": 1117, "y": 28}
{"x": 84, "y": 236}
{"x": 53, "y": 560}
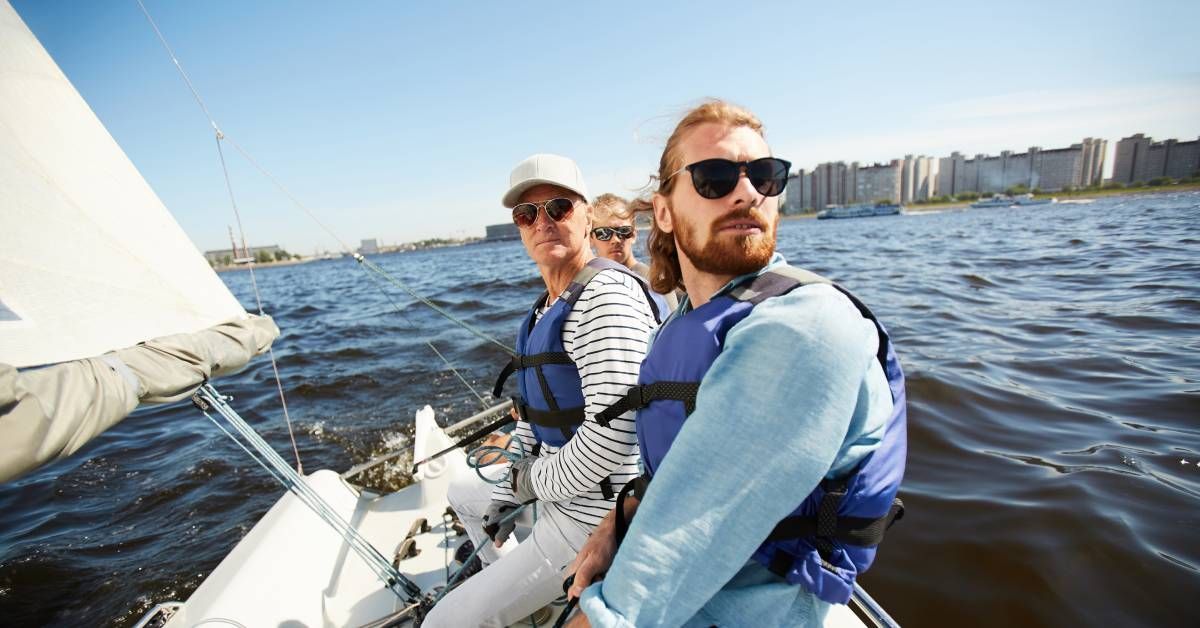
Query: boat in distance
{"x": 859, "y": 211}
{"x": 1004, "y": 200}
{"x": 1025, "y": 200}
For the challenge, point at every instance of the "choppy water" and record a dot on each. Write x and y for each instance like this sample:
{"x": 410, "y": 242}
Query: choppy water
{"x": 1054, "y": 456}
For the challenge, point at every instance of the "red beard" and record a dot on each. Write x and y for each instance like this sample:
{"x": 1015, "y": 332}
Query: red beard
{"x": 725, "y": 253}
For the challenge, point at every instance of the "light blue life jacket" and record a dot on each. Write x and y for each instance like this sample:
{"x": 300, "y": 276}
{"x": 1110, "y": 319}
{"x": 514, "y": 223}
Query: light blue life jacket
{"x": 551, "y": 394}
{"x": 832, "y": 536}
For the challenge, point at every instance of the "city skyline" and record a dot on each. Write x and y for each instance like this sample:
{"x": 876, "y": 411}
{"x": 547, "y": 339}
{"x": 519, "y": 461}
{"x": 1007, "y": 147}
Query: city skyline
{"x": 918, "y": 178}
{"x": 400, "y": 122}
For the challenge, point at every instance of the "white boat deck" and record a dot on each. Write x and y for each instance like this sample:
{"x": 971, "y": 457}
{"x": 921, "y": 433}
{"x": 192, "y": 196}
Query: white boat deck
{"x": 293, "y": 570}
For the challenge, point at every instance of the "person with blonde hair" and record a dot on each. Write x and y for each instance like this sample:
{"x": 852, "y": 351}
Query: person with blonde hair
{"x": 770, "y": 413}
{"x": 613, "y": 234}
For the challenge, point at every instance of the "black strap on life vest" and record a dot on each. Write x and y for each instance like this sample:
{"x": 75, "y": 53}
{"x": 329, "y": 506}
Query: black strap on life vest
{"x": 530, "y": 361}
{"x": 638, "y": 397}
{"x": 637, "y": 486}
{"x": 564, "y": 420}
{"x": 826, "y": 526}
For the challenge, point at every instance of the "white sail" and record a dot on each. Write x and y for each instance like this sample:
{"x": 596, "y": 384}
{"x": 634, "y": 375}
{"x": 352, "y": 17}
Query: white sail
{"x": 90, "y": 259}
{"x": 98, "y": 283}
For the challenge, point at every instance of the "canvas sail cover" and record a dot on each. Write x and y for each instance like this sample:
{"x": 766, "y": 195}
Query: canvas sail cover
{"x": 99, "y": 286}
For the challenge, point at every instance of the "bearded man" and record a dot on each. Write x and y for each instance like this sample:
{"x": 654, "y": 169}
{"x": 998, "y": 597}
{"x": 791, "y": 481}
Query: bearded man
{"x": 770, "y": 412}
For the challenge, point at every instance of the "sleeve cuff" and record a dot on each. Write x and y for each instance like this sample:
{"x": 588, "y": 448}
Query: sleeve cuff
{"x": 593, "y": 605}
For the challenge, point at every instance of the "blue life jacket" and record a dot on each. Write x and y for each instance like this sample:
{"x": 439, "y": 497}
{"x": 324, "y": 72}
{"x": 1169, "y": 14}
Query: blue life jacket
{"x": 833, "y": 534}
{"x": 551, "y": 394}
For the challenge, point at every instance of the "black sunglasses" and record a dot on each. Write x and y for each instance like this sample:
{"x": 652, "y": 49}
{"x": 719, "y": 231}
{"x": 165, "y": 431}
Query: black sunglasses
{"x": 604, "y": 234}
{"x": 557, "y": 209}
{"x": 715, "y": 178}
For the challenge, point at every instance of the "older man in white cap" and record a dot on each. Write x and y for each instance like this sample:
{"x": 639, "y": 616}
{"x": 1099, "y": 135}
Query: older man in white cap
{"x": 580, "y": 347}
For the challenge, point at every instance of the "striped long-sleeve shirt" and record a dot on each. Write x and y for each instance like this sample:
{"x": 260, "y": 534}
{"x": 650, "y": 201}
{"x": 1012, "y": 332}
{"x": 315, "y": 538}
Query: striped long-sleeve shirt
{"x": 606, "y": 335}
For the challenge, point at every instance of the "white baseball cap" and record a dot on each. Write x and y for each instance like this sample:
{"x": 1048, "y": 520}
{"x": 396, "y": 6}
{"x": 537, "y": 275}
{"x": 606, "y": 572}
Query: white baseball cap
{"x": 544, "y": 169}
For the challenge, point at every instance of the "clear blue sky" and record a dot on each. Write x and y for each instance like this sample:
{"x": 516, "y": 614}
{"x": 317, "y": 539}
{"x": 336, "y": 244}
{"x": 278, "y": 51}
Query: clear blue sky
{"x": 401, "y": 120}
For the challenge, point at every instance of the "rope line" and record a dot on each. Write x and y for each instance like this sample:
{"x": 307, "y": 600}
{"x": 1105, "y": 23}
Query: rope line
{"x": 257, "y": 298}
{"x": 474, "y": 461}
{"x": 218, "y": 136}
{"x": 458, "y": 574}
{"x": 221, "y": 136}
{"x": 262, "y": 453}
{"x": 368, "y": 264}
{"x": 179, "y": 66}
{"x": 429, "y": 343}
{"x": 475, "y": 458}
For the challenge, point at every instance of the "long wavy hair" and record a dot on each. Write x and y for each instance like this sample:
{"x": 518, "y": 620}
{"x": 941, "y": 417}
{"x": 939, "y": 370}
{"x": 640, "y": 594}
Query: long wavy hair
{"x": 665, "y": 273}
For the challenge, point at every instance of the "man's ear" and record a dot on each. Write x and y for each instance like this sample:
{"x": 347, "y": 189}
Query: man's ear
{"x": 662, "y": 213}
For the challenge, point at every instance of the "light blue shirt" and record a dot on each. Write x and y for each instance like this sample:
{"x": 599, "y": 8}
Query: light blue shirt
{"x": 795, "y": 396}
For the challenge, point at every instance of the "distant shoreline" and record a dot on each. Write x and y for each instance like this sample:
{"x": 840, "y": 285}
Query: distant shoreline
{"x": 1072, "y": 196}
{"x": 908, "y": 209}
{"x": 288, "y": 262}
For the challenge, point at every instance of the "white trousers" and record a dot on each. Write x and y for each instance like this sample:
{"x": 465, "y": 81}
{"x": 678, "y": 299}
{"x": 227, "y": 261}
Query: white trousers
{"x": 521, "y": 577}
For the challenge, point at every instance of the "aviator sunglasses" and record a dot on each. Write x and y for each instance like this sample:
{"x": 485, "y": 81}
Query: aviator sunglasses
{"x": 557, "y": 209}
{"x": 715, "y": 178}
{"x": 604, "y": 234}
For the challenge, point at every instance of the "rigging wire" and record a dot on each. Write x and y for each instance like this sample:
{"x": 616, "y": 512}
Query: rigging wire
{"x": 363, "y": 262}
{"x": 258, "y": 299}
{"x": 208, "y": 398}
{"x": 435, "y": 307}
{"x": 429, "y": 343}
{"x": 219, "y": 135}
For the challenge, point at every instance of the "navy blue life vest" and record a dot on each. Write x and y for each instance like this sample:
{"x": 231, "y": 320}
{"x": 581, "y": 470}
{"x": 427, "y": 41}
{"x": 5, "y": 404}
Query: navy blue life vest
{"x": 832, "y": 535}
{"x": 551, "y": 394}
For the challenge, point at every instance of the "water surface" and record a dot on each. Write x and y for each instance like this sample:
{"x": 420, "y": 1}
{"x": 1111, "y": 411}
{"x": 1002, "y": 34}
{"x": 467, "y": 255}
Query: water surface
{"x": 1054, "y": 455}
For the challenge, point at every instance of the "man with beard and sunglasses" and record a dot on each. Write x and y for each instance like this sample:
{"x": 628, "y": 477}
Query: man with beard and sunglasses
{"x": 770, "y": 413}
{"x": 579, "y": 349}
{"x": 613, "y": 235}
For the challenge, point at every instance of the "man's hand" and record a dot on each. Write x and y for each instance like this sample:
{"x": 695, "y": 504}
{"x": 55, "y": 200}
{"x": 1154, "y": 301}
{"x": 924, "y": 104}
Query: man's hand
{"x": 522, "y": 483}
{"x": 495, "y": 439}
{"x": 493, "y": 524}
{"x": 595, "y": 557}
{"x": 597, "y": 554}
